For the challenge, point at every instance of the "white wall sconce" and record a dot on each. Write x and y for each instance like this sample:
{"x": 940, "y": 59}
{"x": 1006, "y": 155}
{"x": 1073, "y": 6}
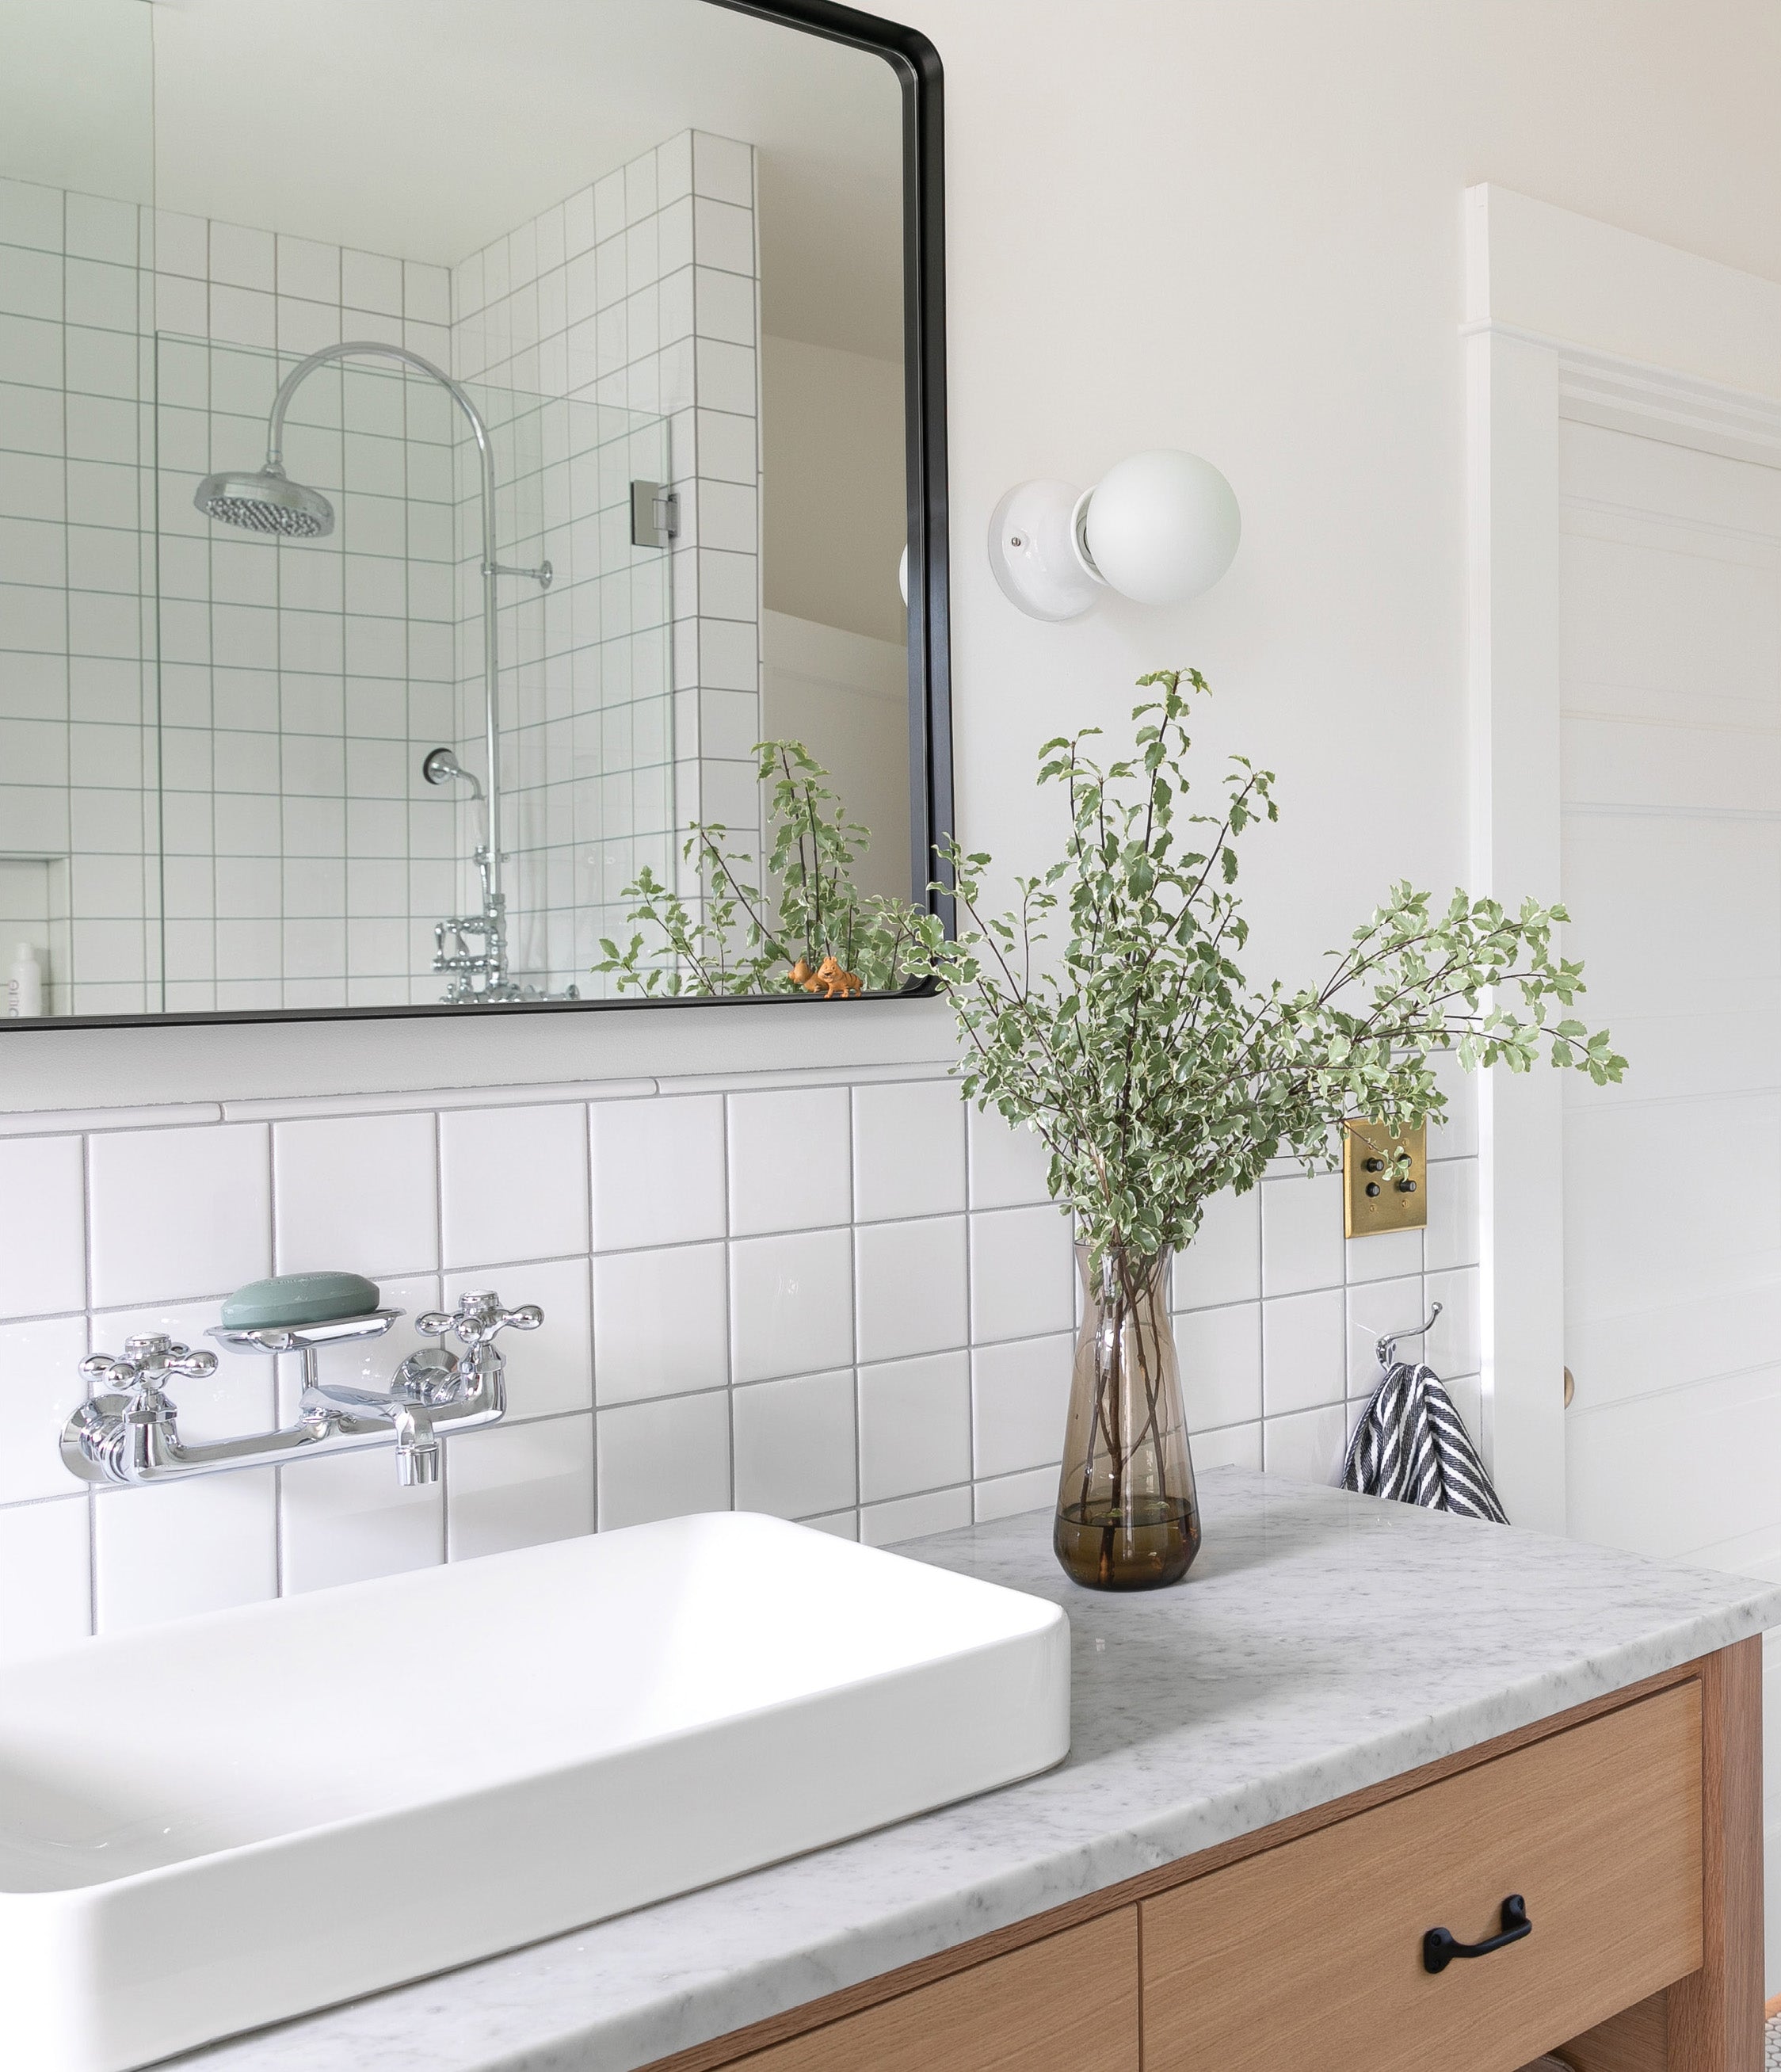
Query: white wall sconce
{"x": 1157, "y": 527}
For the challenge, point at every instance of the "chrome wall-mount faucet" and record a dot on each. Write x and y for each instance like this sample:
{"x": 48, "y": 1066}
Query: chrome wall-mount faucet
{"x": 129, "y": 1432}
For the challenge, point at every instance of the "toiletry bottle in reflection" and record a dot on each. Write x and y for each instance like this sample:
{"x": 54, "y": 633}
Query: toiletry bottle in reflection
{"x": 24, "y": 983}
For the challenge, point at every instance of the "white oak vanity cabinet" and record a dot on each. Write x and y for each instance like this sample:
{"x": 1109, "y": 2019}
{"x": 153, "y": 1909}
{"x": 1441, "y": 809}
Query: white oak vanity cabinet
{"x": 1631, "y": 1828}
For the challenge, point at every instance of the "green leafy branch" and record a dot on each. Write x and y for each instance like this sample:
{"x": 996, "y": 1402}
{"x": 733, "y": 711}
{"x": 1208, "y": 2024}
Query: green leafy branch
{"x": 817, "y": 932}
{"x": 1155, "y": 1075}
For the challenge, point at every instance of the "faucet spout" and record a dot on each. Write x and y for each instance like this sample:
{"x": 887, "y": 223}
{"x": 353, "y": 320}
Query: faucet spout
{"x": 416, "y": 1448}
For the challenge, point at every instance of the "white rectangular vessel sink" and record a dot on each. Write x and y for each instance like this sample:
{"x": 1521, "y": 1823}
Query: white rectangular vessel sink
{"x": 232, "y": 1818}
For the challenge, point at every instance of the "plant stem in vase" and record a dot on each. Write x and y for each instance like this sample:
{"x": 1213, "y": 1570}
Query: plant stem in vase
{"x": 1107, "y": 1013}
{"x": 1127, "y": 1517}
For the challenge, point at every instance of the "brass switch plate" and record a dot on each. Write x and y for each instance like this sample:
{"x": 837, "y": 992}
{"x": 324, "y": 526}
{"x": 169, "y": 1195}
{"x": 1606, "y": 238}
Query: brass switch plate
{"x": 1392, "y": 1208}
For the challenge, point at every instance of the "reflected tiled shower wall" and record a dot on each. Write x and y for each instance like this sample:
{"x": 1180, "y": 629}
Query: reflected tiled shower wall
{"x": 295, "y": 682}
{"x": 639, "y": 293}
{"x": 78, "y": 833}
{"x": 315, "y": 876}
{"x": 842, "y": 1300}
{"x": 301, "y": 684}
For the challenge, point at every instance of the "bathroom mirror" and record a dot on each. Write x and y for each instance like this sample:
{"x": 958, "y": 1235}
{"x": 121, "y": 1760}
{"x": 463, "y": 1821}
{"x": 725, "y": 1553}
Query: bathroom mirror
{"x": 438, "y": 441}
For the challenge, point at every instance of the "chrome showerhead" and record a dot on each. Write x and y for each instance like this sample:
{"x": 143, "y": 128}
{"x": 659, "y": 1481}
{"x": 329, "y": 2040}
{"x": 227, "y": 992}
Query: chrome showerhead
{"x": 442, "y": 767}
{"x": 266, "y": 501}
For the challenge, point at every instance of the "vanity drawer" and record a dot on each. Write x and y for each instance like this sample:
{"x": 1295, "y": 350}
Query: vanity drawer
{"x": 1311, "y": 1953}
{"x": 1069, "y": 2003}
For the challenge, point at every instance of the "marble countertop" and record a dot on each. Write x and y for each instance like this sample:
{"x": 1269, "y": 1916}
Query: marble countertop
{"x": 1322, "y": 1641}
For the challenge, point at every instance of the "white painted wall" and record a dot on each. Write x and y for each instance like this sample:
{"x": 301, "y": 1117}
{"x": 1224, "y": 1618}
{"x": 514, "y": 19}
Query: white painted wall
{"x": 845, "y": 697}
{"x": 834, "y": 506}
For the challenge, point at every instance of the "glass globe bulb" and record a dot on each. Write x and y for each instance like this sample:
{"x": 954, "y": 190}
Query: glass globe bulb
{"x": 1160, "y": 527}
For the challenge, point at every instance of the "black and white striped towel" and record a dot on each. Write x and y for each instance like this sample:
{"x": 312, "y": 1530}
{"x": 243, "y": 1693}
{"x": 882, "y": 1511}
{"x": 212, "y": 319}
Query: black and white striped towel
{"x": 1411, "y": 1446}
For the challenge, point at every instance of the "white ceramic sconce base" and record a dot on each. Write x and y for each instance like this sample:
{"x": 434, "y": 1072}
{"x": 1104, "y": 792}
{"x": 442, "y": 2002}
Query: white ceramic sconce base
{"x": 1033, "y": 551}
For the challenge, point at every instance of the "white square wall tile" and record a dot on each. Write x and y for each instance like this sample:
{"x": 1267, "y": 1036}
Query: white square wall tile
{"x": 549, "y": 1369}
{"x": 909, "y": 1282}
{"x": 513, "y": 1183}
{"x": 1301, "y": 1241}
{"x": 177, "y": 1212}
{"x": 658, "y": 1170}
{"x": 723, "y": 168}
{"x": 914, "y": 1420}
{"x": 723, "y": 235}
{"x": 1234, "y": 1446}
{"x": 663, "y": 1459}
{"x": 176, "y": 1549}
{"x": 1303, "y": 1363}
{"x": 1220, "y": 1355}
{"x": 1020, "y": 1397}
{"x": 908, "y": 1150}
{"x": 1307, "y": 1447}
{"x": 309, "y": 271}
{"x": 41, "y": 1387}
{"x": 1375, "y": 1309}
{"x": 915, "y": 1517}
{"x": 674, "y": 168}
{"x": 1456, "y": 1137}
{"x": 790, "y": 1160}
{"x": 1224, "y": 1263}
{"x": 242, "y": 256}
{"x": 182, "y": 245}
{"x": 49, "y": 1543}
{"x": 359, "y": 1193}
{"x": 790, "y": 1305}
{"x": 1451, "y": 1239}
{"x": 43, "y": 1226}
{"x": 660, "y": 1323}
{"x": 1022, "y": 1274}
{"x": 1454, "y": 1346}
{"x": 345, "y": 1519}
{"x": 793, "y": 1443}
{"x": 519, "y": 1486}
{"x": 1008, "y": 1496}
{"x": 1008, "y": 1165}
{"x": 368, "y": 280}
{"x": 1383, "y": 1256}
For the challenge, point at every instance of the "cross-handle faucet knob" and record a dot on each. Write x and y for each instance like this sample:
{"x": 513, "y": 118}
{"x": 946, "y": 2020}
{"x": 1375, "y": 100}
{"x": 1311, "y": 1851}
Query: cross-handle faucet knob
{"x": 147, "y": 1362}
{"x": 477, "y": 1317}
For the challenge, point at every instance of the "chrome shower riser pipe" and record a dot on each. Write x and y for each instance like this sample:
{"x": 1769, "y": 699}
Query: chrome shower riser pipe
{"x": 491, "y": 567}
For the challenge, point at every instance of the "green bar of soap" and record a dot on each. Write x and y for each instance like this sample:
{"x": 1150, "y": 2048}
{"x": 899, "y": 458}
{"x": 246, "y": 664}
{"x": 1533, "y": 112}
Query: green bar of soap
{"x": 298, "y": 1298}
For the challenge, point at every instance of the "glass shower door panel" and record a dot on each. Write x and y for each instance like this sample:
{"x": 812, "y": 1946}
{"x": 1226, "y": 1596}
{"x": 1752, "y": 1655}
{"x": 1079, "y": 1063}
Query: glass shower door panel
{"x": 79, "y": 856}
{"x": 587, "y": 703}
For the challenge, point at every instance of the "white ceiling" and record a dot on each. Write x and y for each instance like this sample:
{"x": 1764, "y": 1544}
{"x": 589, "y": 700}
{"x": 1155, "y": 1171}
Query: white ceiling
{"x": 425, "y": 128}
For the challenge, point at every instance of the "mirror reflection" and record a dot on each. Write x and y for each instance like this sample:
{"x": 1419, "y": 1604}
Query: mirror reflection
{"x": 438, "y": 444}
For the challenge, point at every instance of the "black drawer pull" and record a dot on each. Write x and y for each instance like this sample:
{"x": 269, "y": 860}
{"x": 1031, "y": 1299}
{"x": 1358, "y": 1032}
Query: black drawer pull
{"x": 1439, "y": 1949}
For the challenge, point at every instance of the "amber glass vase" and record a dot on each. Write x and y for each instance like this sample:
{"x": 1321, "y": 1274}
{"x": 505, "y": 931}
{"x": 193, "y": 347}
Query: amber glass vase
{"x": 1127, "y": 1517}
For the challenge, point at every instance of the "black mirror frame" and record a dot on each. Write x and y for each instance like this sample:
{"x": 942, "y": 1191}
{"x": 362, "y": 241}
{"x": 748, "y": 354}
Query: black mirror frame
{"x": 917, "y": 65}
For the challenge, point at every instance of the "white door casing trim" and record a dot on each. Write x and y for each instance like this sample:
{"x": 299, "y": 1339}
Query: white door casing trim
{"x": 1565, "y": 318}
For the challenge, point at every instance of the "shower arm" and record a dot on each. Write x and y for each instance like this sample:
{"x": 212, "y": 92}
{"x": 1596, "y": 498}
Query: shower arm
{"x": 375, "y": 348}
